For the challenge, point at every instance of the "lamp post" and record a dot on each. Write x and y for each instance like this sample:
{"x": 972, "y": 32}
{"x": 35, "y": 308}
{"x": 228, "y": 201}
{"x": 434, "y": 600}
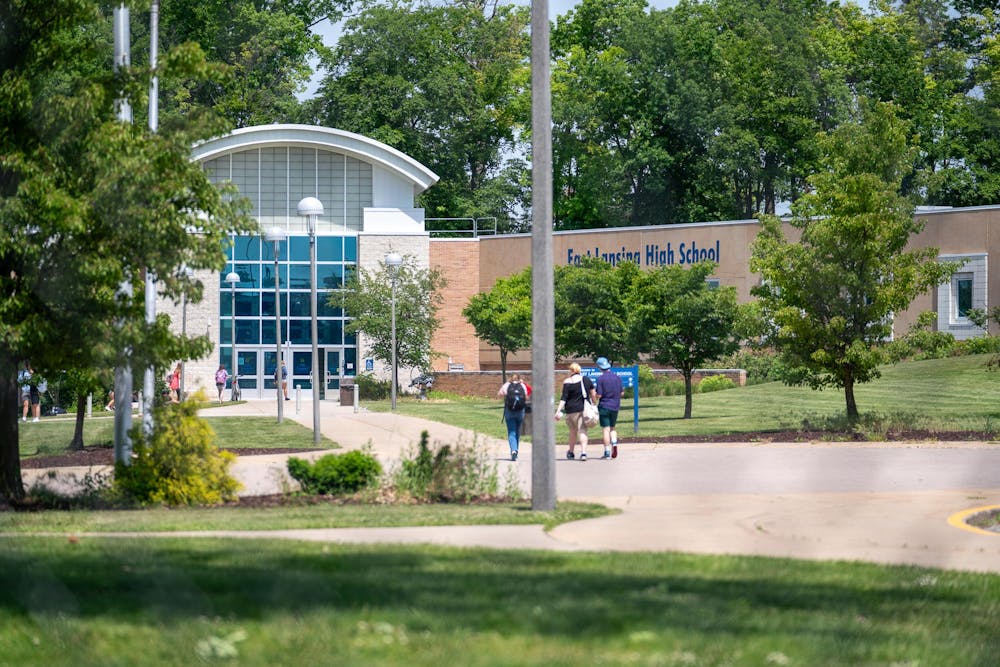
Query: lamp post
{"x": 276, "y": 235}
{"x": 232, "y": 278}
{"x": 393, "y": 260}
{"x": 312, "y": 208}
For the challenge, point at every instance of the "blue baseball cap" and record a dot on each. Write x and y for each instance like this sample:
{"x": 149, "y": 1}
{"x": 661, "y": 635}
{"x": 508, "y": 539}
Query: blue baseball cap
{"x": 603, "y": 363}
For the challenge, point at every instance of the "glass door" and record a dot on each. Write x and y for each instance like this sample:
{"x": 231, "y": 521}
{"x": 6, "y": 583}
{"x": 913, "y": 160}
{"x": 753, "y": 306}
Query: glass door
{"x": 248, "y": 372}
{"x": 332, "y": 371}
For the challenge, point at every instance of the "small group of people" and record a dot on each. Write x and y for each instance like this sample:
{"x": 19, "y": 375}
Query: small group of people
{"x": 577, "y": 389}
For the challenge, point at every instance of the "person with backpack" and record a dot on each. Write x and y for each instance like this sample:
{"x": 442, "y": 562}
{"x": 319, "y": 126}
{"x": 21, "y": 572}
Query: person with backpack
{"x": 515, "y": 399}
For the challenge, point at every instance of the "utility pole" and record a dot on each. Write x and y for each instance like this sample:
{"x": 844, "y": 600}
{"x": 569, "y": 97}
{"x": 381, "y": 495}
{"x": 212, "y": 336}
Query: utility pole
{"x": 543, "y": 473}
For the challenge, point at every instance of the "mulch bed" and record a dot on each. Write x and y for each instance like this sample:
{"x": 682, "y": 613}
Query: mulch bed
{"x": 101, "y": 456}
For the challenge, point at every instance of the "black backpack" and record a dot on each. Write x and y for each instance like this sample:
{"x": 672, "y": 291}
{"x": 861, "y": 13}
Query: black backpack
{"x": 516, "y": 397}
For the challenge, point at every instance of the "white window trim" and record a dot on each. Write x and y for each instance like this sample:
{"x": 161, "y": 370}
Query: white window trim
{"x": 974, "y": 266}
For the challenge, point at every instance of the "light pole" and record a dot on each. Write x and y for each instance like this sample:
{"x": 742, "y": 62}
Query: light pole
{"x": 312, "y": 208}
{"x": 276, "y": 235}
{"x": 393, "y": 260}
{"x": 232, "y": 278}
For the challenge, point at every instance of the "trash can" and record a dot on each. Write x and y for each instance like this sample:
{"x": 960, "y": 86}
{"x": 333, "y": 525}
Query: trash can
{"x": 347, "y": 394}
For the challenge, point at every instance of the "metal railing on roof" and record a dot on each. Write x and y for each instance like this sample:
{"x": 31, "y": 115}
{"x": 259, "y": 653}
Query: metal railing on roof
{"x": 460, "y": 227}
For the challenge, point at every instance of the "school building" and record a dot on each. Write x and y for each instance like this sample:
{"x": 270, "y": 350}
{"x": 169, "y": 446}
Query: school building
{"x": 368, "y": 192}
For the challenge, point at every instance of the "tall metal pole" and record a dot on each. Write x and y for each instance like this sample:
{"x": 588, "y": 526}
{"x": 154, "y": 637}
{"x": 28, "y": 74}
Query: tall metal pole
{"x": 312, "y": 208}
{"x": 276, "y": 235}
{"x": 543, "y": 480}
{"x": 123, "y": 373}
{"x": 148, "y": 378}
{"x": 232, "y": 321}
{"x": 394, "y": 374}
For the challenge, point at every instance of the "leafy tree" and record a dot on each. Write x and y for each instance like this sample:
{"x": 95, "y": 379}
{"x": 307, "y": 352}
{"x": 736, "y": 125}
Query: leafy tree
{"x": 443, "y": 84}
{"x": 591, "y": 312}
{"x": 680, "y": 320}
{"x": 830, "y": 296}
{"x": 502, "y": 316}
{"x": 87, "y": 203}
{"x": 367, "y": 296}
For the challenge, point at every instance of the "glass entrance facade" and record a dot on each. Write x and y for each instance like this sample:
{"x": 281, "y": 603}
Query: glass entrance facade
{"x": 252, "y": 258}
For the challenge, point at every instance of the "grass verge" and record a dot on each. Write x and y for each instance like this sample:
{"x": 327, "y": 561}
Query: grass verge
{"x": 186, "y": 601}
{"x": 292, "y": 517}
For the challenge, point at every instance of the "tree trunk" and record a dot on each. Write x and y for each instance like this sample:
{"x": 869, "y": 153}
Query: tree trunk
{"x": 852, "y": 405}
{"x": 503, "y": 364}
{"x": 687, "y": 394}
{"x": 76, "y": 444}
{"x": 11, "y": 484}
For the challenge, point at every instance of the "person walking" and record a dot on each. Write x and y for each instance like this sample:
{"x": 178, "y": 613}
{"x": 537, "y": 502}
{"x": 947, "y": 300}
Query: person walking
{"x": 575, "y": 390}
{"x": 515, "y": 401}
{"x": 174, "y": 382}
{"x": 284, "y": 380}
{"x": 221, "y": 376}
{"x": 609, "y": 393}
{"x": 24, "y": 382}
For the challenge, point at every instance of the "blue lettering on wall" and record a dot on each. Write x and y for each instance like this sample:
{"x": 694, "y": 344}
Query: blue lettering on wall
{"x": 653, "y": 254}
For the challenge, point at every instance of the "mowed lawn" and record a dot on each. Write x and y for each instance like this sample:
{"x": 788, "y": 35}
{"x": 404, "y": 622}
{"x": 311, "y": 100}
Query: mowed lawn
{"x": 189, "y": 602}
{"x": 939, "y": 394}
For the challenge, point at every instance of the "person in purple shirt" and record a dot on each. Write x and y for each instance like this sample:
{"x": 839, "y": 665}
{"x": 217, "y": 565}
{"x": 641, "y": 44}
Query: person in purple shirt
{"x": 609, "y": 391}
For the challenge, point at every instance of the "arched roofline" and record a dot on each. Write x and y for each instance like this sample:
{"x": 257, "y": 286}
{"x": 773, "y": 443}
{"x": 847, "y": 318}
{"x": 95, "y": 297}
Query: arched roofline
{"x": 326, "y": 138}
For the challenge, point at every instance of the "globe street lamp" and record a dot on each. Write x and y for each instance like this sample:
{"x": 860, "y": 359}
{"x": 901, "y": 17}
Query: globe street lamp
{"x": 312, "y": 208}
{"x": 276, "y": 235}
{"x": 232, "y": 278}
{"x": 393, "y": 261}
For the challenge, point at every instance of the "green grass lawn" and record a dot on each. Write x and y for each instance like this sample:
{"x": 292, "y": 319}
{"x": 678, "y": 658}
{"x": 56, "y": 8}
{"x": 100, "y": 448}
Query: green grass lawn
{"x": 53, "y": 435}
{"x": 189, "y": 602}
{"x": 940, "y": 394}
{"x": 294, "y": 516}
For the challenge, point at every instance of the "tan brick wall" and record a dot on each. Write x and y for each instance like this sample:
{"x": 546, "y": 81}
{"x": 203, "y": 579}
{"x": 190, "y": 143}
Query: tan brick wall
{"x": 456, "y": 342}
{"x": 195, "y": 319}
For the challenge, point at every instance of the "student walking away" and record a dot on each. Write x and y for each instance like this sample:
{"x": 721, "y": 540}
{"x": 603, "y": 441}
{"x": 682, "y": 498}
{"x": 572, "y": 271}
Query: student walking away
{"x": 24, "y": 382}
{"x": 575, "y": 390}
{"x": 221, "y": 376}
{"x": 515, "y": 403}
{"x": 284, "y": 380}
{"x": 609, "y": 393}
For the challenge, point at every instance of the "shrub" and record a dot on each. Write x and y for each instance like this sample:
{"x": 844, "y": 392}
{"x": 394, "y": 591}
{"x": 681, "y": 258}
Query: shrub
{"x": 978, "y": 345}
{"x": 371, "y": 388}
{"x": 921, "y": 341}
{"x": 179, "y": 464}
{"x": 335, "y": 474}
{"x": 458, "y": 474}
{"x": 715, "y": 383}
{"x": 762, "y": 365}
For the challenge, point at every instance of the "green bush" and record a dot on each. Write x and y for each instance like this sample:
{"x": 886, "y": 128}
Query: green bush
{"x": 978, "y": 345}
{"x": 715, "y": 383}
{"x": 336, "y": 474}
{"x": 921, "y": 341}
{"x": 179, "y": 464}
{"x": 762, "y": 365}
{"x": 656, "y": 384}
{"x": 371, "y": 388}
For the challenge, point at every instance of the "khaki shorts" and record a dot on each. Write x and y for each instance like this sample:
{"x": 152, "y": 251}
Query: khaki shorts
{"x": 575, "y": 421}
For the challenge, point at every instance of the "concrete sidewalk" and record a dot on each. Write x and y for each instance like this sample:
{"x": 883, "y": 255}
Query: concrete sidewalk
{"x": 885, "y": 525}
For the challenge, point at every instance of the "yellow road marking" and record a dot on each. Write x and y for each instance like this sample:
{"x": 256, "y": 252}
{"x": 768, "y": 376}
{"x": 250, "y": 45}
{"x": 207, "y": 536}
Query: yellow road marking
{"x": 958, "y": 520}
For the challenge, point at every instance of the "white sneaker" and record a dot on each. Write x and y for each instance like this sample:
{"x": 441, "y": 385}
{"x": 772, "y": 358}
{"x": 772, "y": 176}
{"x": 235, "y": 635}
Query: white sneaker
{"x": 583, "y": 456}
{"x": 35, "y": 419}
{"x": 24, "y": 419}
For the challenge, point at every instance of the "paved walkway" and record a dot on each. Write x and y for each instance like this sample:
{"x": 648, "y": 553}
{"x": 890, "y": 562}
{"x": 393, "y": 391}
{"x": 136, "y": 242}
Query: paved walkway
{"x": 772, "y": 500}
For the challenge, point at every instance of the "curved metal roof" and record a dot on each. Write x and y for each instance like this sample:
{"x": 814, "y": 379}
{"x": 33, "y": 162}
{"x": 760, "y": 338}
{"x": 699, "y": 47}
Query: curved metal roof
{"x": 327, "y": 138}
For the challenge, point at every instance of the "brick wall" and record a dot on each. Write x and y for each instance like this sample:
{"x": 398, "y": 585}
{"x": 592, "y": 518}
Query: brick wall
{"x": 458, "y": 261}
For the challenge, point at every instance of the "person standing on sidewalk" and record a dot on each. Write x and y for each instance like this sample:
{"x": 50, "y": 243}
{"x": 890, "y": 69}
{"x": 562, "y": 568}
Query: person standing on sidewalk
{"x": 515, "y": 402}
{"x": 575, "y": 390}
{"x": 284, "y": 380}
{"x": 609, "y": 392}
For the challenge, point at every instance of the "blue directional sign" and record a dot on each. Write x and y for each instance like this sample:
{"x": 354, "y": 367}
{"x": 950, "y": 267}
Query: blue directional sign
{"x": 630, "y": 379}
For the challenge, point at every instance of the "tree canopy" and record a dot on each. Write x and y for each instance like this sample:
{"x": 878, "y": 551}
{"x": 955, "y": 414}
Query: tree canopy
{"x": 830, "y": 296}
{"x": 502, "y": 316}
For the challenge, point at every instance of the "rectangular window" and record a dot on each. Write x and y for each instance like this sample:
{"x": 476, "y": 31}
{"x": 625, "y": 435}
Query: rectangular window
{"x": 963, "y": 293}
